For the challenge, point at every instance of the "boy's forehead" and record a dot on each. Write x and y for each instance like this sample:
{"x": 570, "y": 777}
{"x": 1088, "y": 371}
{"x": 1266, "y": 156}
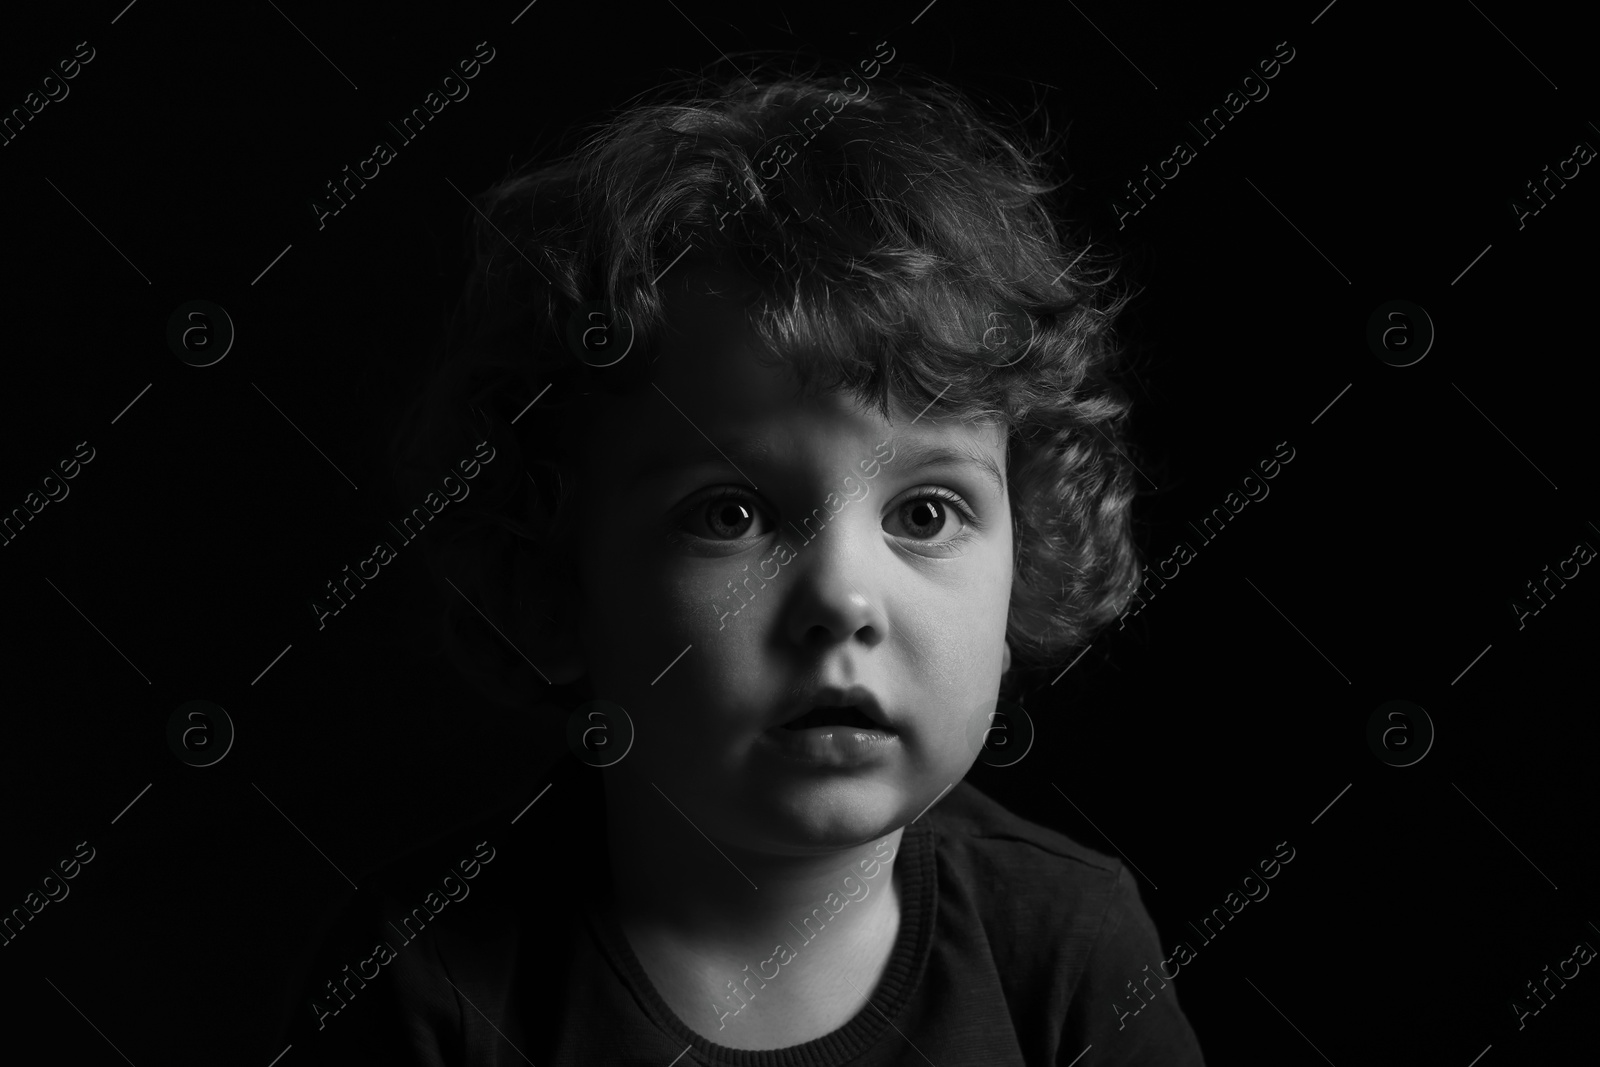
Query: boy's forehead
{"x": 710, "y": 356}
{"x": 717, "y": 385}
{"x": 715, "y": 367}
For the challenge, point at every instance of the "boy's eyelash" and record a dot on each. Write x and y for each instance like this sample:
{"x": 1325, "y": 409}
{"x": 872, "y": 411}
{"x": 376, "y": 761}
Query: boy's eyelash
{"x": 676, "y": 534}
{"x": 729, "y": 492}
{"x": 948, "y": 497}
{"x": 726, "y": 492}
{"x": 716, "y": 496}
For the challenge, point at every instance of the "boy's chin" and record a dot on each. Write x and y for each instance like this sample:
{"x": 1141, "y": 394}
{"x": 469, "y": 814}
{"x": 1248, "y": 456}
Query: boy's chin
{"x": 823, "y": 816}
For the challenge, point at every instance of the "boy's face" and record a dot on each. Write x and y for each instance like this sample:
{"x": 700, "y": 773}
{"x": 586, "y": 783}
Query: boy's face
{"x": 905, "y": 591}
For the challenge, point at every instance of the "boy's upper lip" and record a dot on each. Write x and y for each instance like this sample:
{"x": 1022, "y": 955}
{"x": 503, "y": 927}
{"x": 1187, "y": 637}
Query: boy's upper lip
{"x": 833, "y": 696}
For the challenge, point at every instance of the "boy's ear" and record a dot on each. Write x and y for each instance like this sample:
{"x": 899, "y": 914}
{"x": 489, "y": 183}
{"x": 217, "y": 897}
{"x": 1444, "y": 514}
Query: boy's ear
{"x": 546, "y": 595}
{"x": 1005, "y": 661}
{"x": 547, "y": 602}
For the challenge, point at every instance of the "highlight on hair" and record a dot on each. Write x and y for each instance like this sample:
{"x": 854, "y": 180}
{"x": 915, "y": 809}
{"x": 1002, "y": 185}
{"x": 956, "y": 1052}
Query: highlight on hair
{"x": 905, "y": 247}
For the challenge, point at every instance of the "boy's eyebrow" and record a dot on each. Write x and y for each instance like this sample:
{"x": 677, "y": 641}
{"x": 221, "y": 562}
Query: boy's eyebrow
{"x": 745, "y": 449}
{"x": 740, "y": 450}
{"x": 923, "y": 454}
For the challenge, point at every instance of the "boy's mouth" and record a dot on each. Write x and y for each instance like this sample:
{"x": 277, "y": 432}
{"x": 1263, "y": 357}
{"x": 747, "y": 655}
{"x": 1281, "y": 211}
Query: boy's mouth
{"x": 833, "y": 729}
{"x": 848, "y": 708}
{"x": 849, "y": 716}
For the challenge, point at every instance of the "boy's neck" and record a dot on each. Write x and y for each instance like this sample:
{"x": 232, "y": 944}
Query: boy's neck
{"x": 667, "y": 876}
{"x": 706, "y": 927}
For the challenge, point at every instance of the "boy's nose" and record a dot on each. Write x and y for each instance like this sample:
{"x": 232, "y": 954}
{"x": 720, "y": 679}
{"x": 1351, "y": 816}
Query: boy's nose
{"x": 835, "y": 595}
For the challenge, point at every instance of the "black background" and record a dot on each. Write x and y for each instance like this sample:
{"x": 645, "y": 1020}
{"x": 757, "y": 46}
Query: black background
{"x": 1224, "y": 719}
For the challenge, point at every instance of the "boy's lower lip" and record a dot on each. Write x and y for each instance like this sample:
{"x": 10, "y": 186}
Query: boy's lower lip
{"x": 831, "y": 746}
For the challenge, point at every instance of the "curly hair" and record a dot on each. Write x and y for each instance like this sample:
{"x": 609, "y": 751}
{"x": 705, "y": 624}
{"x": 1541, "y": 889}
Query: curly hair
{"x": 905, "y": 249}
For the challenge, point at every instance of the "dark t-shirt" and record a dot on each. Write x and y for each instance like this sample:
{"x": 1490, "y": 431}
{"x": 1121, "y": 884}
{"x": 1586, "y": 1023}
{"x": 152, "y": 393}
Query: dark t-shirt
{"x": 495, "y": 945}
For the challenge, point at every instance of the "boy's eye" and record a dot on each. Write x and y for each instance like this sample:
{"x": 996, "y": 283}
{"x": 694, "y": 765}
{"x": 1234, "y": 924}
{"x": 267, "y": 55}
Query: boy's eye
{"x": 731, "y": 515}
{"x": 727, "y": 516}
{"x": 928, "y": 515}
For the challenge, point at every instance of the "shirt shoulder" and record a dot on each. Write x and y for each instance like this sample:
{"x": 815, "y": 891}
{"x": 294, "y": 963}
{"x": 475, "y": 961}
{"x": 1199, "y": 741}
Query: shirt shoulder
{"x": 1066, "y": 930}
{"x": 1042, "y": 897}
{"x": 986, "y": 839}
{"x": 972, "y": 815}
{"x": 379, "y": 979}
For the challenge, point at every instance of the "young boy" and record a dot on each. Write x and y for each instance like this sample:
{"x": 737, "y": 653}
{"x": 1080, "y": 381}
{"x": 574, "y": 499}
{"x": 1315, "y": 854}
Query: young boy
{"x": 825, "y": 451}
